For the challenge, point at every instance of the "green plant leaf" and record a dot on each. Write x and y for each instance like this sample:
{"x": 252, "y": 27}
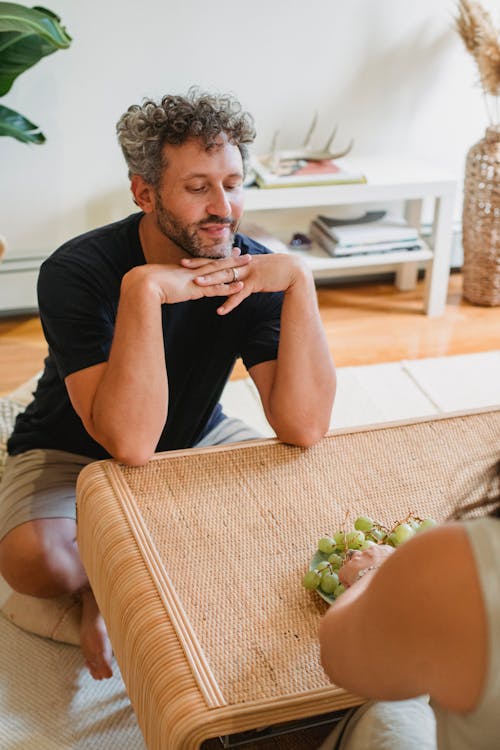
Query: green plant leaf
{"x": 17, "y": 126}
{"x": 26, "y": 35}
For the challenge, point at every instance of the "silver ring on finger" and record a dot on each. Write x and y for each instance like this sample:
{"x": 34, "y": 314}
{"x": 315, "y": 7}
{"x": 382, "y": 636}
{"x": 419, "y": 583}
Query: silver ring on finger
{"x": 235, "y": 274}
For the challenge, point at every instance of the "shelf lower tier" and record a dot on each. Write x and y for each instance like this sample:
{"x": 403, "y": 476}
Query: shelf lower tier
{"x": 323, "y": 265}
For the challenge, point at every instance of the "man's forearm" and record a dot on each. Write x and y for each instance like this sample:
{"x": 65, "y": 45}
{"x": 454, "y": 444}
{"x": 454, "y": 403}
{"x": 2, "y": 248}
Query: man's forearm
{"x": 303, "y": 390}
{"x": 130, "y": 405}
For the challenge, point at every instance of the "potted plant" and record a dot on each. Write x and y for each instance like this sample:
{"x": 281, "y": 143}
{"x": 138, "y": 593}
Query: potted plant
{"x": 26, "y": 35}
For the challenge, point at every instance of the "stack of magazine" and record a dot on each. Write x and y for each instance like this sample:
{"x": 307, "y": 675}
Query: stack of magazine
{"x": 374, "y": 232}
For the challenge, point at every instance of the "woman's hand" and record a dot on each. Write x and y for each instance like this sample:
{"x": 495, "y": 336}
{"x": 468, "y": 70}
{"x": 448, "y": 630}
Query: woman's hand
{"x": 370, "y": 558}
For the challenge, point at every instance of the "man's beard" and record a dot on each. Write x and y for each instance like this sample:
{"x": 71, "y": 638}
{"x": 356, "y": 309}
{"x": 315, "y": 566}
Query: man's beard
{"x": 187, "y": 236}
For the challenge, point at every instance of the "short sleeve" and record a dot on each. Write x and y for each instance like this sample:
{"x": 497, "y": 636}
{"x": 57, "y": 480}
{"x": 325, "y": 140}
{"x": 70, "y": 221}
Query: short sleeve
{"x": 262, "y": 341}
{"x": 76, "y": 314}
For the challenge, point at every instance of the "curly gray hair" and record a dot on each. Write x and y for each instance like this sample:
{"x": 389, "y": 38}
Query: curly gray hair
{"x": 144, "y": 129}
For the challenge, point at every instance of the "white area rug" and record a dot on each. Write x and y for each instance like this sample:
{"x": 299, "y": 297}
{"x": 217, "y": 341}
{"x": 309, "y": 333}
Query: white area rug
{"x": 47, "y": 699}
{"x": 388, "y": 392}
{"x": 49, "y": 702}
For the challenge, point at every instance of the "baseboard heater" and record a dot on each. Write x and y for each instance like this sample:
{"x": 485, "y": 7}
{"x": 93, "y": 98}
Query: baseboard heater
{"x": 18, "y": 277}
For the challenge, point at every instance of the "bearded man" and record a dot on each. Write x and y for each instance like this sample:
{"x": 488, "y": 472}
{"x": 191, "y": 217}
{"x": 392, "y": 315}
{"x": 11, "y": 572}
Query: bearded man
{"x": 144, "y": 319}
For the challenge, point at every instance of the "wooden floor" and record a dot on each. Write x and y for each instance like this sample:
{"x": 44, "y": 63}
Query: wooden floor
{"x": 365, "y": 324}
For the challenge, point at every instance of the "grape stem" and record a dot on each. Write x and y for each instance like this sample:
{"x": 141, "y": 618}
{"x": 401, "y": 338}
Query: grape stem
{"x": 412, "y": 516}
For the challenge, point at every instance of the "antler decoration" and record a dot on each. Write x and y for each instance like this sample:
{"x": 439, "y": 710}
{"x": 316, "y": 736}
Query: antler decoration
{"x": 306, "y": 152}
{"x": 311, "y": 130}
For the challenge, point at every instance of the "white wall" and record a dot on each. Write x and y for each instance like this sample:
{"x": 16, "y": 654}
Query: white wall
{"x": 392, "y": 73}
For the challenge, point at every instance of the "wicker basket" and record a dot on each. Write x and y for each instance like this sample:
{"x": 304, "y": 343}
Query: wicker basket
{"x": 481, "y": 221}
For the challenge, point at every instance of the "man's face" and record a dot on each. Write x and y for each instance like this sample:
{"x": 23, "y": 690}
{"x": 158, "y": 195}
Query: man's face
{"x": 199, "y": 202}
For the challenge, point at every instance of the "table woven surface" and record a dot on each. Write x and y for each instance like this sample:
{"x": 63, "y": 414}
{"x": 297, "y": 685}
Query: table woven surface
{"x": 237, "y": 528}
{"x": 196, "y": 561}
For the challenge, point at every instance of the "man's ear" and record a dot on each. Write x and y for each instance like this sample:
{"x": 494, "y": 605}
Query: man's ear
{"x": 143, "y": 192}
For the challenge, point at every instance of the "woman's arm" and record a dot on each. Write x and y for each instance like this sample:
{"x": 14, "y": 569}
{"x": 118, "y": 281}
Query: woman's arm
{"x": 415, "y": 625}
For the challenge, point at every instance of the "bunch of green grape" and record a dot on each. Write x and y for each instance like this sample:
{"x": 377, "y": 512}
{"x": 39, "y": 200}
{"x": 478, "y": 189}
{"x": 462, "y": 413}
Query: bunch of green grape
{"x": 333, "y": 550}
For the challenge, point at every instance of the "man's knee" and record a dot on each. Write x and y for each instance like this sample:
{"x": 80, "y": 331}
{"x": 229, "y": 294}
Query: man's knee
{"x": 40, "y": 558}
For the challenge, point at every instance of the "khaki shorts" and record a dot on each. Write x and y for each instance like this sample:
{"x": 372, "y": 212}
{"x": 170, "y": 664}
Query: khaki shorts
{"x": 41, "y": 483}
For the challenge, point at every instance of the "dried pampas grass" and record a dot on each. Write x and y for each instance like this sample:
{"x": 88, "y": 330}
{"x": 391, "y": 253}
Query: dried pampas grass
{"x": 488, "y": 61}
{"x": 471, "y": 22}
{"x": 482, "y": 40}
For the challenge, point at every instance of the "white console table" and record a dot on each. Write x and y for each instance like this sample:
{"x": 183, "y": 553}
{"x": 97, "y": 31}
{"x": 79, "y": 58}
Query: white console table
{"x": 387, "y": 181}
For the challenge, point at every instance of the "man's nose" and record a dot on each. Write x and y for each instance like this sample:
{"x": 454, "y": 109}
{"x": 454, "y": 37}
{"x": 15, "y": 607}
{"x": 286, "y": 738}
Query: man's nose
{"x": 219, "y": 204}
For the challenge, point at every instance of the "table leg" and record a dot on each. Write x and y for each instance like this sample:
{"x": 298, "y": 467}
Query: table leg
{"x": 407, "y": 273}
{"x": 437, "y": 275}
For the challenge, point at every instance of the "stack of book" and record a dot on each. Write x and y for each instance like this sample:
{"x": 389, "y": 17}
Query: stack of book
{"x": 304, "y": 173}
{"x": 374, "y": 232}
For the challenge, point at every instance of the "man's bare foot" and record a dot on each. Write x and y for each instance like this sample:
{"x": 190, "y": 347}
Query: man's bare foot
{"x": 94, "y": 640}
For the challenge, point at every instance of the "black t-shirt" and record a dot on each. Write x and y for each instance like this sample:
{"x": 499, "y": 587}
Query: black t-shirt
{"x": 78, "y": 293}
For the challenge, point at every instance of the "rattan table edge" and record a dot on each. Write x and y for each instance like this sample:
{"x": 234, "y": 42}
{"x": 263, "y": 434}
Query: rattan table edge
{"x": 164, "y": 692}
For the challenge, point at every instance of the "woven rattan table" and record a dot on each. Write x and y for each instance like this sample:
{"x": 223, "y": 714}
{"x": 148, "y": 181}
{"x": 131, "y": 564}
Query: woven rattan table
{"x": 196, "y": 562}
